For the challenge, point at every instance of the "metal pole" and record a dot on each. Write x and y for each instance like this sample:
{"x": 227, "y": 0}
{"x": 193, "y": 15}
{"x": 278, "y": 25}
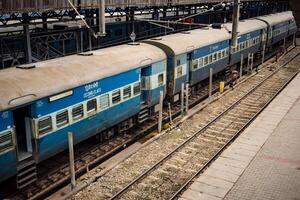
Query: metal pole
{"x": 90, "y": 42}
{"x": 210, "y": 81}
{"x": 248, "y": 64}
{"x": 252, "y": 61}
{"x": 182, "y": 99}
{"x": 28, "y": 43}
{"x": 161, "y": 100}
{"x": 170, "y": 113}
{"x": 102, "y": 30}
{"x": 263, "y": 54}
{"x": 81, "y": 40}
{"x": 241, "y": 67}
{"x": 186, "y": 97}
{"x": 235, "y": 21}
{"x": 294, "y": 39}
{"x": 71, "y": 159}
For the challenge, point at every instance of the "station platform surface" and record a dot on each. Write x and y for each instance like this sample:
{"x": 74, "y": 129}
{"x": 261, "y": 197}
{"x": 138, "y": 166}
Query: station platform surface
{"x": 263, "y": 162}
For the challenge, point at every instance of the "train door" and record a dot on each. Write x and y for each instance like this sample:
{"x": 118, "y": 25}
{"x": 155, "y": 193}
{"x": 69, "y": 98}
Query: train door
{"x": 23, "y": 129}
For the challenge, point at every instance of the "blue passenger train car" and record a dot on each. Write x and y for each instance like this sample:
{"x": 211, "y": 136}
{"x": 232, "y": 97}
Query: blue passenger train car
{"x": 82, "y": 94}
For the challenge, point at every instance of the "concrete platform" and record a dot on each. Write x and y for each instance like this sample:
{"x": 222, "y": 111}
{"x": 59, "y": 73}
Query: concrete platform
{"x": 264, "y": 162}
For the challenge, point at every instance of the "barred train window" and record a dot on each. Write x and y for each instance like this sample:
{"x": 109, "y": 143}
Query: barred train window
{"x": 91, "y": 105}
{"x": 200, "y": 62}
{"x": 127, "y": 92}
{"x": 104, "y": 101}
{"x": 206, "y": 60}
{"x": 62, "y": 118}
{"x": 45, "y": 125}
{"x": 195, "y": 64}
{"x": 219, "y": 55}
{"x": 179, "y": 71}
{"x": 77, "y": 112}
{"x": 116, "y": 97}
{"x": 136, "y": 88}
{"x": 160, "y": 79}
{"x": 6, "y": 141}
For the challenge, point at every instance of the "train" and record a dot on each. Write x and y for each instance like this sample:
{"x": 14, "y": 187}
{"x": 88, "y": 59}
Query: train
{"x": 111, "y": 90}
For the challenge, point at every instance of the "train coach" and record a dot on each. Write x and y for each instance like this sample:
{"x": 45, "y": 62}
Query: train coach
{"x": 111, "y": 90}
{"x": 84, "y": 94}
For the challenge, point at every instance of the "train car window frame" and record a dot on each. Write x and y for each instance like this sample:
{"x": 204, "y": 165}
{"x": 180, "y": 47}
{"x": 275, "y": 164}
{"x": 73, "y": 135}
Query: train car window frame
{"x": 195, "y": 64}
{"x": 136, "y": 88}
{"x": 210, "y": 58}
{"x": 205, "y": 60}
{"x": 45, "y": 129}
{"x": 77, "y": 112}
{"x": 223, "y": 53}
{"x": 179, "y": 71}
{"x": 200, "y": 62}
{"x": 116, "y": 97}
{"x": 160, "y": 79}
{"x": 7, "y": 141}
{"x": 62, "y": 118}
{"x": 104, "y": 101}
{"x": 91, "y": 106}
{"x": 126, "y": 92}
{"x": 214, "y": 57}
{"x": 219, "y": 55}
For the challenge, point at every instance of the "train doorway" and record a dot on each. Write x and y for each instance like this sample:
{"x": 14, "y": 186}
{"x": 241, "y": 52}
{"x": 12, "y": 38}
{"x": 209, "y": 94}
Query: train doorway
{"x": 23, "y": 132}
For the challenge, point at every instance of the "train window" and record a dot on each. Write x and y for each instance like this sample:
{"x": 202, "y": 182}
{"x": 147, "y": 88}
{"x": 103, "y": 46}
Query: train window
{"x": 206, "y": 60}
{"x": 91, "y": 106}
{"x": 6, "y": 141}
{"x": 136, "y": 88}
{"x": 62, "y": 118}
{"x": 77, "y": 112}
{"x": 178, "y": 62}
{"x": 45, "y": 125}
{"x": 160, "y": 79}
{"x": 227, "y": 52}
{"x": 210, "y": 59}
{"x": 104, "y": 101}
{"x": 127, "y": 92}
{"x": 179, "y": 71}
{"x": 223, "y": 53}
{"x": 219, "y": 55}
{"x": 200, "y": 62}
{"x": 195, "y": 64}
{"x": 116, "y": 97}
{"x": 214, "y": 58}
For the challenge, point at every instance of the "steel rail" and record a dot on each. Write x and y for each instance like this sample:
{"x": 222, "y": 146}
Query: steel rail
{"x": 157, "y": 164}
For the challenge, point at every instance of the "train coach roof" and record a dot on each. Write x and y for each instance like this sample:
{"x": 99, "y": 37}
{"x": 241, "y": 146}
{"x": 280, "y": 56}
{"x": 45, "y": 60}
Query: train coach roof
{"x": 21, "y": 86}
{"x": 247, "y": 26}
{"x": 277, "y": 18}
{"x": 179, "y": 43}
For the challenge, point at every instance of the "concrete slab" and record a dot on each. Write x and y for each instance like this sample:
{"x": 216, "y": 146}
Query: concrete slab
{"x": 192, "y": 195}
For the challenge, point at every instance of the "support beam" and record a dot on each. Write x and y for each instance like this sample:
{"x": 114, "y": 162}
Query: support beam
{"x": 235, "y": 20}
{"x": 71, "y": 159}
{"x": 210, "y": 81}
{"x": 27, "y": 44}
{"x": 161, "y": 101}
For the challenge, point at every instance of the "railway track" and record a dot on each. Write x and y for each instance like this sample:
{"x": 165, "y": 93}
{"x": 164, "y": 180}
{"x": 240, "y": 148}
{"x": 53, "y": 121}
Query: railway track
{"x": 87, "y": 159}
{"x": 185, "y": 155}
